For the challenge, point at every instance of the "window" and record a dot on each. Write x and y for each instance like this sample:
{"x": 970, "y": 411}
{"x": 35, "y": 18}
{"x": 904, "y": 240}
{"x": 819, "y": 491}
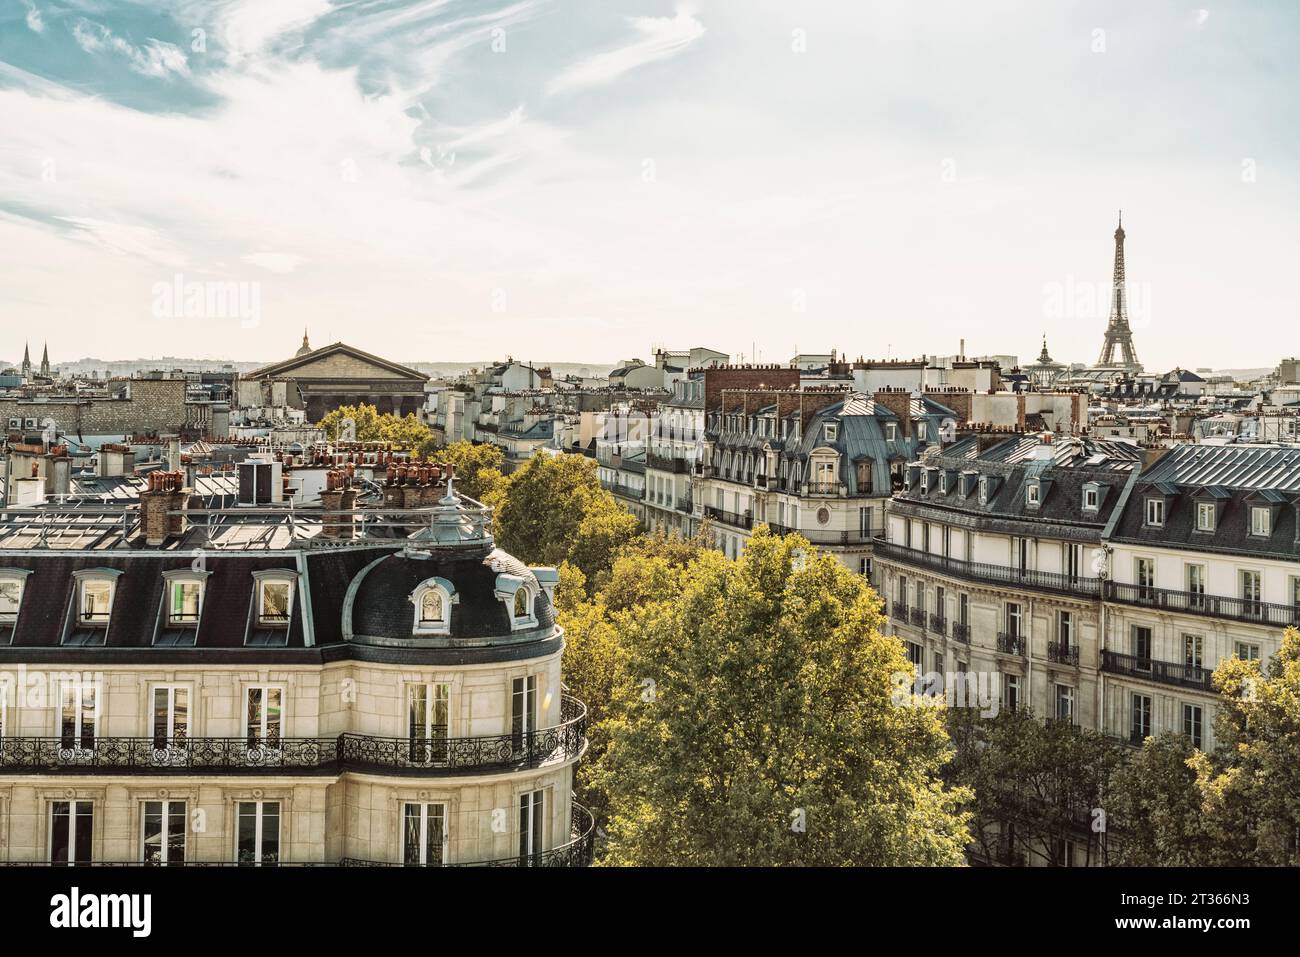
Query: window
{"x": 1246, "y": 651}
{"x": 1071, "y": 559}
{"x": 274, "y": 599}
{"x": 1144, "y": 571}
{"x": 433, "y": 600}
{"x": 1196, "y": 586}
{"x": 1193, "y": 651}
{"x": 1142, "y": 647}
{"x": 11, "y": 596}
{"x": 1032, "y": 492}
{"x": 1251, "y": 593}
{"x": 914, "y": 654}
{"x": 428, "y": 709}
{"x": 95, "y": 600}
{"x": 902, "y": 591}
{"x": 891, "y": 431}
{"x": 79, "y": 714}
{"x": 1155, "y": 512}
{"x": 171, "y": 716}
{"x": 1065, "y": 704}
{"x": 1090, "y": 498}
{"x": 1065, "y": 630}
{"x": 163, "y": 834}
{"x": 1192, "y": 723}
{"x": 1014, "y": 619}
{"x": 263, "y": 713}
{"x": 523, "y": 710}
{"x": 424, "y": 834}
{"x": 1011, "y": 692}
{"x": 940, "y": 602}
{"x": 963, "y": 609}
{"x": 832, "y": 431}
{"x": 984, "y": 490}
{"x": 258, "y": 833}
{"x": 72, "y": 831}
{"x": 1140, "y": 726}
{"x": 1205, "y": 516}
{"x": 185, "y": 599}
{"x": 532, "y": 825}
{"x": 1260, "y": 521}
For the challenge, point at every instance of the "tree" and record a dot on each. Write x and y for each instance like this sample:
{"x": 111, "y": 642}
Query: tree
{"x": 1034, "y": 783}
{"x": 553, "y": 509}
{"x": 1155, "y": 807}
{"x": 757, "y": 726}
{"x": 478, "y": 467}
{"x": 403, "y": 432}
{"x": 1250, "y": 785}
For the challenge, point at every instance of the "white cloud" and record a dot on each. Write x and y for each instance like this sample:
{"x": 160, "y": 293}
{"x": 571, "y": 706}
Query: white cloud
{"x": 155, "y": 59}
{"x": 34, "y": 21}
{"x": 275, "y": 262}
{"x": 661, "y": 37}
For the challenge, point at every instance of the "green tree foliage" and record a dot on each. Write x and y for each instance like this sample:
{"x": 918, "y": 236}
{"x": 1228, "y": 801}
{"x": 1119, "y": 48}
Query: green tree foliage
{"x": 1250, "y": 784}
{"x": 403, "y": 432}
{"x": 1034, "y": 783}
{"x": 1155, "y": 808}
{"x": 756, "y": 726}
{"x": 553, "y": 509}
{"x": 478, "y": 467}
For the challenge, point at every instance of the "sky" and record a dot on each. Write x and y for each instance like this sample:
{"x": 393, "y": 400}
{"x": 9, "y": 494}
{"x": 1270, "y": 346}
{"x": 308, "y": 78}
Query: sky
{"x": 460, "y": 180}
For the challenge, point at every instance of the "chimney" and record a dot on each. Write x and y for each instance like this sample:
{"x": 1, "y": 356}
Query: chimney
{"x": 115, "y": 460}
{"x": 165, "y": 494}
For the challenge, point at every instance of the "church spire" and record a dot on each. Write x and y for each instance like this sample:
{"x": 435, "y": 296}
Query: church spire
{"x": 27, "y": 360}
{"x": 45, "y": 361}
{"x": 306, "y": 346}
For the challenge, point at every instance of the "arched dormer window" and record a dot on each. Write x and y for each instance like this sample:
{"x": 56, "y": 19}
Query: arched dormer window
{"x": 520, "y": 597}
{"x": 433, "y": 600}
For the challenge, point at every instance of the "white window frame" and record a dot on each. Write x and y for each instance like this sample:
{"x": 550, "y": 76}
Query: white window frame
{"x": 1032, "y": 491}
{"x": 73, "y": 804}
{"x": 17, "y": 577}
{"x": 435, "y": 693}
{"x": 425, "y": 807}
{"x": 262, "y": 736}
{"x": 528, "y": 806}
{"x": 984, "y": 490}
{"x": 1207, "y": 517}
{"x": 263, "y": 582}
{"x": 509, "y": 586}
{"x": 1155, "y": 512}
{"x": 182, "y": 577}
{"x": 259, "y": 830}
{"x": 94, "y": 576}
{"x": 1090, "y": 499}
{"x": 445, "y": 591}
{"x": 173, "y": 691}
{"x": 77, "y": 689}
{"x": 1261, "y": 521}
{"x": 165, "y": 811}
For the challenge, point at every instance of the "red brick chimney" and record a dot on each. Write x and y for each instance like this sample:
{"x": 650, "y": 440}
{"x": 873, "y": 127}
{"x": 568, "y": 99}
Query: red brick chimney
{"x": 166, "y": 494}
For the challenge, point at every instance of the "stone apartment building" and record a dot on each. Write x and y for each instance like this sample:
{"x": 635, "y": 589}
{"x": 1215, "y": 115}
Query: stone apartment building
{"x": 371, "y": 682}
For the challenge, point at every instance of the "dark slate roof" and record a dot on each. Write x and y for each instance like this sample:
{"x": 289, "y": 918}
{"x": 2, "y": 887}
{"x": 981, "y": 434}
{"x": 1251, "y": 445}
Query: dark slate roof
{"x": 381, "y": 607}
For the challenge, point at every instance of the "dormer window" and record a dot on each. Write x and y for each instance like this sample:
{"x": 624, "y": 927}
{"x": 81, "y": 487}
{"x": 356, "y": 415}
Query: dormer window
{"x": 1033, "y": 494}
{"x": 984, "y": 490}
{"x": 184, "y": 590}
{"x": 920, "y": 431}
{"x": 943, "y": 483}
{"x": 94, "y": 601}
{"x": 1261, "y": 521}
{"x": 891, "y": 431}
{"x": 1206, "y": 517}
{"x": 1091, "y": 498}
{"x": 274, "y": 599}
{"x": 831, "y": 430}
{"x": 925, "y": 480}
{"x": 1155, "y": 512}
{"x": 433, "y": 600}
{"x": 11, "y": 594}
{"x": 520, "y": 597}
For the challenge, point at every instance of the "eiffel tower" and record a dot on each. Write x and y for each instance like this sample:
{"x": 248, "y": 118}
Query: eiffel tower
{"x": 1118, "y": 333}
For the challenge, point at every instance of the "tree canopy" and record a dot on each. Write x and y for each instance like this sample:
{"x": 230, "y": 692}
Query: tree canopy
{"x": 402, "y": 431}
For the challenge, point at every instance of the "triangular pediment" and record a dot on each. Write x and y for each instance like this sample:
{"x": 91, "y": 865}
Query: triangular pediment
{"x": 337, "y": 361}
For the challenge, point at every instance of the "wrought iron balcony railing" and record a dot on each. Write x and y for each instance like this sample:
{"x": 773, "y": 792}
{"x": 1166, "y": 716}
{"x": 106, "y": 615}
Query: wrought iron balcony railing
{"x": 961, "y": 631}
{"x": 1063, "y": 652}
{"x": 917, "y": 616}
{"x": 668, "y": 463}
{"x": 984, "y": 572}
{"x": 344, "y": 752}
{"x": 737, "y": 519}
{"x": 1011, "y": 644}
{"x": 1152, "y": 669}
{"x": 938, "y": 624}
{"x": 1199, "y": 603}
{"x": 898, "y": 611}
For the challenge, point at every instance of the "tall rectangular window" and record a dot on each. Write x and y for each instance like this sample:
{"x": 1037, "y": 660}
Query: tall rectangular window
{"x": 1142, "y": 646}
{"x": 523, "y": 709}
{"x": 1205, "y": 516}
{"x": 1144, "y": 570}
{"x": 1065, "y": 703}
{"x": 164, "y": 832}
{"x": 1141, "y": 718}
{"x": 424, "y": 830}
{"x": 1196, "y": 586}
{"x": 258, "y": 833}
{"x": 11, "y": 596}
{"x": 186, "y": 599}
{"x": 963, "y": 609}
{"x": 1011, "y": 692}
{"x": 1072, "y": 559}
{"x": 1251, "y": 591}
{"x": 1065, "y": 630}
{"x": 171, "y": 715}
{"x": 273, "y": 601}
{"x": 1192, "y": 723}
{"x": 72, "y": 831}
{"x": 96, "y": 600}
{"x": 263, "y": 716}
{"x": 78, "y": 714}
{"x": 532, "y": 825}
{"x": 1014, "y": 620}
{"x": 428, "y": 720}
{"x": 1193, "y": 651}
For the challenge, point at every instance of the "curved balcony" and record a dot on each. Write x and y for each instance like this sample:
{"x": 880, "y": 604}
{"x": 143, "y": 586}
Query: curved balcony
{"x": 576, "y": 852}
{"x": 985, "y": 572}
{"x": 345, "y": 752}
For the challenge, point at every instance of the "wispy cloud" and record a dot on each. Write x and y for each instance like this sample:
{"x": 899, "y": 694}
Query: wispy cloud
{"x": 155, "y": 59}
{"x": 34, "y": 21}
{"x": 661, "y": 37}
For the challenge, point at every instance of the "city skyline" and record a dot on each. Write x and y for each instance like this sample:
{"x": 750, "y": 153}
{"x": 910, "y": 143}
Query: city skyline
{"x": 478, "y": 179}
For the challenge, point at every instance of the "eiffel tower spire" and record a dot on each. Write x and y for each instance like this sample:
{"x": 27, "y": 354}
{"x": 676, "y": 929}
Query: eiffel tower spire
{"x": 1118, "y": 334}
